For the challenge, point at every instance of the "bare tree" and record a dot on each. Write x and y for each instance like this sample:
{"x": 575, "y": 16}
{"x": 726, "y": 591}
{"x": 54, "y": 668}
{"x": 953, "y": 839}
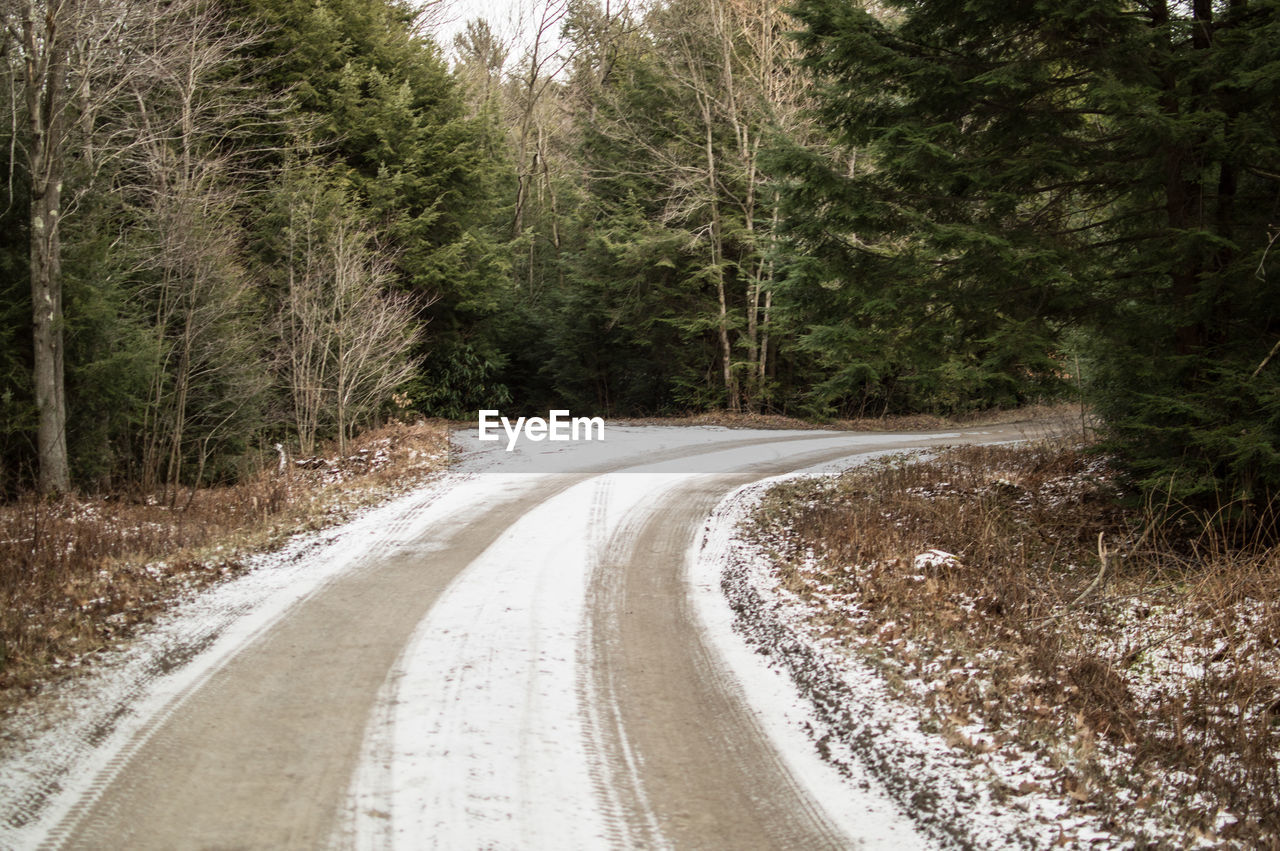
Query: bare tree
{"x": 765, "y": 92}
{"x": 696, "y": 61}
{"x": 370, "y": 332}
{"x": 344, "y": 340}
{"x": 181, "y": 167}
{"x": 545, "y": 58}
{"x": 43, "y": 34}
{"x": 482, "y": 56}
{"x": 731, "y": 61}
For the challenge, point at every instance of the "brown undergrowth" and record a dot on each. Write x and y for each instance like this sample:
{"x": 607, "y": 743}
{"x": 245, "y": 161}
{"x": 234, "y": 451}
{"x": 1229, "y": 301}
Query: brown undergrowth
{"x": 77, "y": 576}
{"x": 974, "y": 581}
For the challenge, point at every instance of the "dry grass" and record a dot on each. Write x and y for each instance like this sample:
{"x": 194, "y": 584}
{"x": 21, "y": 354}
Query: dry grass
{"x": 78, "y": 575}
{"x": 1156, "y": 696}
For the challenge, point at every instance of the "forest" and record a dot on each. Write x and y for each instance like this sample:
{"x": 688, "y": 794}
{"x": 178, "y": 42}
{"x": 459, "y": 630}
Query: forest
{"x": 232, "y": 224}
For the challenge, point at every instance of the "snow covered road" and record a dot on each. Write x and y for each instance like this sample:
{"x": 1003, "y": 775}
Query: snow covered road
{"x": 514, "y": 657}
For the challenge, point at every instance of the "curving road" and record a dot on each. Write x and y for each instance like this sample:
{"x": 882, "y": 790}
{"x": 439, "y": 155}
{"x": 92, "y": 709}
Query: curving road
{"x": 510, "y": 658}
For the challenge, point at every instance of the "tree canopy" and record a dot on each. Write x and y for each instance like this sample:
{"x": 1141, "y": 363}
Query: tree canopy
{"x": 825, "y": 209}
{"x": 1107, "y": 168}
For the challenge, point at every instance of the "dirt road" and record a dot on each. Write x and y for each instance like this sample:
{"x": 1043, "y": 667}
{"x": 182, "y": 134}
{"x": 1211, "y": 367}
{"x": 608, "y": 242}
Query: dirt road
{"x": 510, "y": 659}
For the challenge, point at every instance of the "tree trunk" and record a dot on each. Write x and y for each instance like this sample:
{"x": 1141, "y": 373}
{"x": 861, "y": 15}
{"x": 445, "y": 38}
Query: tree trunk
{"x": 764, "y": 339}
{"x": 717, "y": 265}
{"x": 45, "y": 75}
{"x": 47, "y": 371}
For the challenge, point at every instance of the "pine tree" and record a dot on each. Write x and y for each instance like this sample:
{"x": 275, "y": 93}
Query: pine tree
{"x": 1095, "y": 163}
{"x": 376, "y": 97}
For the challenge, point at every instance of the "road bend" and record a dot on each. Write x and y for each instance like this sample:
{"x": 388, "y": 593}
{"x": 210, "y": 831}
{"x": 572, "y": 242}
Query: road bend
{"x": 527, "y": 672}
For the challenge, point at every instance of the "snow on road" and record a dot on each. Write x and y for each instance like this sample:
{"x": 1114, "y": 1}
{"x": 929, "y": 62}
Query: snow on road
{"x": 852, "y": 798}
{"x": 485, "y": 745}
{"x": 482, "y": 733}
{"x": 72, "y": 750}
{"x": 479, "y": 740}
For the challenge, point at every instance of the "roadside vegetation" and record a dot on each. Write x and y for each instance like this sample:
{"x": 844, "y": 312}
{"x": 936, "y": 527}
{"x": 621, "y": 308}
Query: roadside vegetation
{"x": 231, "y": 224}
{"x": 78, "y": 576}
{"x": 1023, "y": 600}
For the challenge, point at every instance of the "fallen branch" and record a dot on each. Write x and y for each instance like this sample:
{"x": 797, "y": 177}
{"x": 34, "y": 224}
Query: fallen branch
{"x": 1102, "y": 569}
{"x": 1266, "y": 360}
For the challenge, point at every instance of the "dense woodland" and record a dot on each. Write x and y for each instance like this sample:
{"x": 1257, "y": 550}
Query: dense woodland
{"x": 235, "y": 223}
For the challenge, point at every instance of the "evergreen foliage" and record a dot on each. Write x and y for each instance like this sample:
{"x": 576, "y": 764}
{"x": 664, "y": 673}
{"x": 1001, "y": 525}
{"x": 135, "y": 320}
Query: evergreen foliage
{"x": 17, "y": 406}
{"x": 900, "y": 207}
{"x": 378, "y": 100}
{"x": 179, "y": 147}
{"x": 1040, "y": 165}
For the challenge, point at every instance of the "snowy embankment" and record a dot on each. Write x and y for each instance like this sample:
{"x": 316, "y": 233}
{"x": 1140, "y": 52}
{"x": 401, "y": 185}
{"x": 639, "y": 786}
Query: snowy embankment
{"x": 819, "y": 699}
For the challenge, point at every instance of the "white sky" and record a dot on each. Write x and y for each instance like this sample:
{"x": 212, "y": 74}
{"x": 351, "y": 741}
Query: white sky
{"x": 503, "y": 15}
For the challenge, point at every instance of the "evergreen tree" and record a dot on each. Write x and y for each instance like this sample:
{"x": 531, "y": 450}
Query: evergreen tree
{"x": 674, "y": 111}
{"x": 146, "y": 105}
{"x": 17, "y": 409}
{"x": 1038, "y": 164}
{"x": 638, "y": 294}
{"x": 379, "y": 100}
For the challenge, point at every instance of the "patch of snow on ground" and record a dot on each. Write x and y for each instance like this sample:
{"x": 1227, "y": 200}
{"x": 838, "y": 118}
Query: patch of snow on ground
{"x": 825, "y": 767}
{"x": 849, "y": 718}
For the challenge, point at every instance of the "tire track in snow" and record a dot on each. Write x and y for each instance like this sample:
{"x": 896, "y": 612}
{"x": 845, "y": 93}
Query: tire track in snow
{"x": 492, "y": 740}
{"x": 488, "y": 746}
{"x": 146, "y": 695}
{"x": 707, "y": 770}
{"x": 615, "y": 765}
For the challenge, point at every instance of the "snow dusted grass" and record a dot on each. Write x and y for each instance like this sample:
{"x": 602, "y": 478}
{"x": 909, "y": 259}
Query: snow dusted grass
{"x": 77, "y": 576}
{"x": 1150, "y": 707}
